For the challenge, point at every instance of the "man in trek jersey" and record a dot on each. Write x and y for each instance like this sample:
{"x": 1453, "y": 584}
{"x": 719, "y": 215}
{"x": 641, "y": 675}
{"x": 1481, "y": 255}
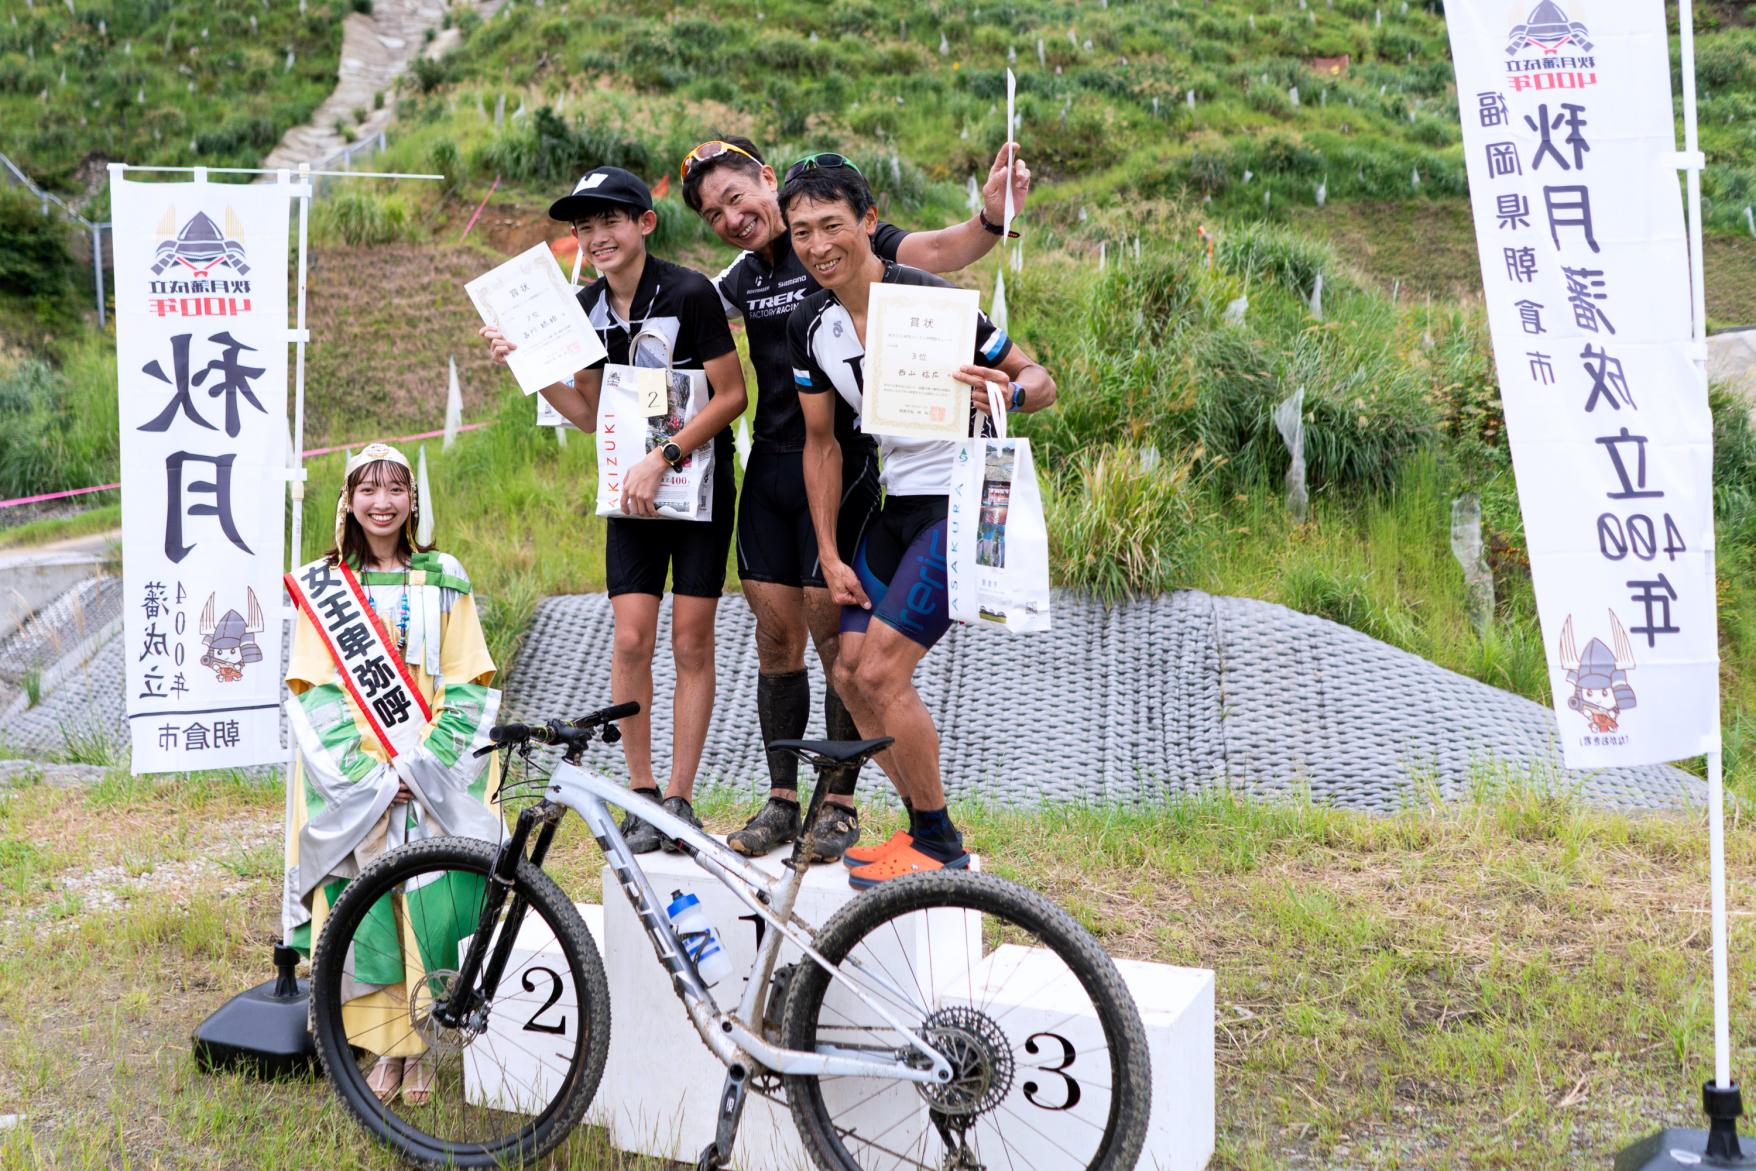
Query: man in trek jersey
{"x": 727, "y": 182}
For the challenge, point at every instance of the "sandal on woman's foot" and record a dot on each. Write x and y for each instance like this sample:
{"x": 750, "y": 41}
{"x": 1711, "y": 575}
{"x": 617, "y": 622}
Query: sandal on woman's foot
{"x": 418, "y": 1077}
{"x": 385, "y": 1078}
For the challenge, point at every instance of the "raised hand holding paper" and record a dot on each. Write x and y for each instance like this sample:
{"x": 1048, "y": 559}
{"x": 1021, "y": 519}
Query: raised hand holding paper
{"x": 917, "y": 337}
{"x": 528, "y": 301}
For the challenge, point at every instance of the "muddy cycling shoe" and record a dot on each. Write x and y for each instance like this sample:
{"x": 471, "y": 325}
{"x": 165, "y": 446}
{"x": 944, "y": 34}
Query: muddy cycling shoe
{"x": 836, "y": 829}
{"x": 775, "y": 824}
{"x": 679, "y": 807}
{"x": 642, "y": 838}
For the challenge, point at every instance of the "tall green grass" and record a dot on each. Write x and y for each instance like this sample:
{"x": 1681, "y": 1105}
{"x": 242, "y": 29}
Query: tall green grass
{"x": 58, "y": 425}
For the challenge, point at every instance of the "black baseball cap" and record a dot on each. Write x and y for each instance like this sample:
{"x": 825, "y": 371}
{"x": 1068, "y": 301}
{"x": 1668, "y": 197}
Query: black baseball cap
{"x": 605, "y": 185}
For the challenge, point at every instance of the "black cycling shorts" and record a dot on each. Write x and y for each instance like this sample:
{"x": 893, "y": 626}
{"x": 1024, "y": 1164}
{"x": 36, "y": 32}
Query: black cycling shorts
{"x": 901, "y": 566}
{"x": 776, "y": 539}
{"x": 638, "y": 553}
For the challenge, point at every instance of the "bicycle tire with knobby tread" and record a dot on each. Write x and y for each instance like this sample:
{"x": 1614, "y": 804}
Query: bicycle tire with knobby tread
{"x": 340, "y": 1067}
{"x": 1085, "y": 957}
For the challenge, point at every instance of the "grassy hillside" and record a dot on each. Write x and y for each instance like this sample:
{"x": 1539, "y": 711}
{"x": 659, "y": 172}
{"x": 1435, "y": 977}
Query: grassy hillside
{"x": 157, "y": 81}
{"x": 1401, "y": 404}
{"x": 1104, "y": 90}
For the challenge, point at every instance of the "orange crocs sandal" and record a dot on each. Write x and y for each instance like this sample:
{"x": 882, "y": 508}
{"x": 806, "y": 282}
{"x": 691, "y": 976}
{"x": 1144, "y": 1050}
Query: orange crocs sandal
{"x": 908, "y": 860}
{"x": 866, "y": 855}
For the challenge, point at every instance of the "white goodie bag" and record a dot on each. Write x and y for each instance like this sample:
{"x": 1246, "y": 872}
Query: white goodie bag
{"x": 997, "y": 561}
{"x": 643, "y": 407}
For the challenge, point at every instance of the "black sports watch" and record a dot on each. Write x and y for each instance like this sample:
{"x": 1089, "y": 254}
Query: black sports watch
{"x": 672, "y": 455}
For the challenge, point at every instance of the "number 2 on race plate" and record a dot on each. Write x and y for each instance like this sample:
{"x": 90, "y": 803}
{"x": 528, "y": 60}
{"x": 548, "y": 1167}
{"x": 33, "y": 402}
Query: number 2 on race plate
{"x": 654, "y": 396}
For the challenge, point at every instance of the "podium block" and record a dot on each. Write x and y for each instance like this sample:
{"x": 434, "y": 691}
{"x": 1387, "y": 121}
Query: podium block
{"x": 520, "y": 1061}
{"x": 661, "y": 1085}
{"x": 1049, "y": 1093}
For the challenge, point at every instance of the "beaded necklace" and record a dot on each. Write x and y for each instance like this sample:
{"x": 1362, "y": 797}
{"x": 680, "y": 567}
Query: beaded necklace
{"x": 402, "y": 621}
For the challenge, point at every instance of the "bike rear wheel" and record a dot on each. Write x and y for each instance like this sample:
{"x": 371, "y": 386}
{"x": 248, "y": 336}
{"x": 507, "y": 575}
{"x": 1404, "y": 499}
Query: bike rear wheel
{"x": 508, "y": 1085}
{"x": 1050, "y": 1061}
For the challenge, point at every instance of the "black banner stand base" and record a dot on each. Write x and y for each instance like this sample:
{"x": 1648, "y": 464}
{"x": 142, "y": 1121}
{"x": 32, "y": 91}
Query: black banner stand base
{"x": 263, "y": 1030}
{"x": 1717, "y": 1146}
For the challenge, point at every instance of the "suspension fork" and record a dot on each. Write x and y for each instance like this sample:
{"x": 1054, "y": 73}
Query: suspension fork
{"x": 468, "y": 994}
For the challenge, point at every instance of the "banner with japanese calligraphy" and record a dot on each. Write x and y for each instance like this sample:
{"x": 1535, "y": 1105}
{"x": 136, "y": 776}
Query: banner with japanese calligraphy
{"x": 201, "y": 361}
{"x": 1568, "y": 138}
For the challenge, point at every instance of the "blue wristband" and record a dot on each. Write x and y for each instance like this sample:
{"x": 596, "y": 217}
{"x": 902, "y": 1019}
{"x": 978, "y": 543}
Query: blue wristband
{"x": 1017, "y": 396}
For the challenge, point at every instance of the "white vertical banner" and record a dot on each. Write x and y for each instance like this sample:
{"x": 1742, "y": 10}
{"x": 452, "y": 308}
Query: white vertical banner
{"x": 1570, "y": 145}
{"x": 201, "y": 362}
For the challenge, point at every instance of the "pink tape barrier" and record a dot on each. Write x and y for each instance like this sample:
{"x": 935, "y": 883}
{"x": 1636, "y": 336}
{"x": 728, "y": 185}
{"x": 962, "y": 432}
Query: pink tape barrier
{"x": 309, "y": 452}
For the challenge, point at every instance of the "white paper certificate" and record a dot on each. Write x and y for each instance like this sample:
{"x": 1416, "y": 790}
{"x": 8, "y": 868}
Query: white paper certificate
{"x": 916, "y": 339}
{"x": 528, "y": 301}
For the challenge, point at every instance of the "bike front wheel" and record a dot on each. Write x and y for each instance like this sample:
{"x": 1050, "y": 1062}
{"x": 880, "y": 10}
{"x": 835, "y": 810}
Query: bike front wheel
{"x": 1049, "y": 1056}
{"x": 509, "y": 1083}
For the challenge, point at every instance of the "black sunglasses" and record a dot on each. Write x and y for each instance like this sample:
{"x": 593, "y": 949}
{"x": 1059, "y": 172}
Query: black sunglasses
{"x": 820, "y": 159}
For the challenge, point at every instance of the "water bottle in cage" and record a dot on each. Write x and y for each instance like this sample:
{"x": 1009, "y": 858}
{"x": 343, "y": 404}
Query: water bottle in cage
{"x": 698, "y": 937}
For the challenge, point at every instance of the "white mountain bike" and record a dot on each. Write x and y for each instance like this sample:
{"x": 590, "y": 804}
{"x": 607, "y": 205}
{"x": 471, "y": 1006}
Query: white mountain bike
{"x": 888, "y": 1055}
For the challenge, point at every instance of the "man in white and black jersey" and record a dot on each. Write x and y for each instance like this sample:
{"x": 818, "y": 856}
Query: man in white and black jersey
{"x": 897, "y": 574}
{"x": 612, "y": 215}
{"x": 735, "y": 192}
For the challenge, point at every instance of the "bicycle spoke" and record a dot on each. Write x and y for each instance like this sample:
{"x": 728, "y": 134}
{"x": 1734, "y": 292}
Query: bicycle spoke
{"x": 500, "y": 1092}
{"x": 978, "y": 1013}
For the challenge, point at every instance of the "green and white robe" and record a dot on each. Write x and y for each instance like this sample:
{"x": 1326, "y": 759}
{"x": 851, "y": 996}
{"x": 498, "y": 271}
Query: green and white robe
{"x": 340, "y": 810}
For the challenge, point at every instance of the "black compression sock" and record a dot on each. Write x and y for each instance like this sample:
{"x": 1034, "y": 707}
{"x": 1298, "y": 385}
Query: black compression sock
{"x": 935, "y": 835}
{"x": 783, "y": 707}
{"x": 839, "y": 724}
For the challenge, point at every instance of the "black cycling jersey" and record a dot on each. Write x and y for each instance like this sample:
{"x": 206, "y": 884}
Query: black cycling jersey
{"x": 677, "y": 302}
{"x": 765, "y": 295}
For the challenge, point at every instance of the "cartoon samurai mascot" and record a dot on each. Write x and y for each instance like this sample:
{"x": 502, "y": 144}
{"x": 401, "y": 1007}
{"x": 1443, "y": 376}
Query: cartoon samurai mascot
{"x": 231, "y": 641}
{"x": 1599, "y": 676}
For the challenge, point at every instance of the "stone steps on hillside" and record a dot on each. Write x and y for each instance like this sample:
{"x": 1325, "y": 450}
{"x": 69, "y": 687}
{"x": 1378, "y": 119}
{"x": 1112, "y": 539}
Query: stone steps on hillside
{"x": 375, "y": 51}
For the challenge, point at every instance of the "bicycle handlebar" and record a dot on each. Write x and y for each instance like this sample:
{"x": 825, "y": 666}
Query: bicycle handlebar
{"x": 568, "y": 733}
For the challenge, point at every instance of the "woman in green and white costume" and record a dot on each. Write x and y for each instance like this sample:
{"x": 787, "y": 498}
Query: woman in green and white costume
{"x": 349, "y": 804}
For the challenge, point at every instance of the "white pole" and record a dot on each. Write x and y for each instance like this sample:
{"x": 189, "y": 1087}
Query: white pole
{"x": 298, "y": 453}
{"x": 1692, "y": 162}
{"x": 303, "y": 171}
{"x": 97, "y": 268}
{"x": 296, "y": 471}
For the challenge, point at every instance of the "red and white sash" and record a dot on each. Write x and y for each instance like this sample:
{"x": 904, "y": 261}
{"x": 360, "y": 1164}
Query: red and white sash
{"x": 364, "y": 656}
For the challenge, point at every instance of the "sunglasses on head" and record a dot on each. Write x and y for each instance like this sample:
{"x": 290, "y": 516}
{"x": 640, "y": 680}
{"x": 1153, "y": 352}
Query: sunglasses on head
{"x": 820, "y": 159}
{"x": 712, "y": 149}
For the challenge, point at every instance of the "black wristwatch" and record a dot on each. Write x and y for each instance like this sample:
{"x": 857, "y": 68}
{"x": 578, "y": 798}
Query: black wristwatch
{"x": 673, "y": 455}
{"x": 992, "y": 228}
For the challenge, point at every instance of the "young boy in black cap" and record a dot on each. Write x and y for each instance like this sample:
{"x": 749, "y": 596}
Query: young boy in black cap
{"x": 611, "y": 214}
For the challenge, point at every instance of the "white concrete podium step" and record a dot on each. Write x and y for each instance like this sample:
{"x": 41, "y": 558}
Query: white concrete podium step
{"x": 660, "y": 1085}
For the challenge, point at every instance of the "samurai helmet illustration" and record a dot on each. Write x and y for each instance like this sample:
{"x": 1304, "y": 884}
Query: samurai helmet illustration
{"x": 1547, "y": 28}
{"x": 1600, "y": 667}
{"x": 200, "y": 244}
{"x": 233, "y": 631}
{"x": 418, "y": 527}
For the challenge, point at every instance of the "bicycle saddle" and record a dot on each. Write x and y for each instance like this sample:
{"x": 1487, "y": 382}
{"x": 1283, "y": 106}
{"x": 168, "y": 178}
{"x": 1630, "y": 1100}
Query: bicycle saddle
{"x": 833, "y": 751}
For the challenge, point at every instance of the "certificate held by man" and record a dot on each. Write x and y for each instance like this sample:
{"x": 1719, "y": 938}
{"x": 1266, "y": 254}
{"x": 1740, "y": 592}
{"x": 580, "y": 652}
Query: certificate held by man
{"x": 917, "y": 337}
{"x": 528, "y": 301}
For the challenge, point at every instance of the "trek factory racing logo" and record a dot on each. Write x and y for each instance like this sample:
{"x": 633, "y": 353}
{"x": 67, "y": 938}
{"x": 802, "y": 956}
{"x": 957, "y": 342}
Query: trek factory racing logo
{"x": 1549, "y": 51}
{"x": 775, "y": 305}
{"x": 184, "y": 264}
